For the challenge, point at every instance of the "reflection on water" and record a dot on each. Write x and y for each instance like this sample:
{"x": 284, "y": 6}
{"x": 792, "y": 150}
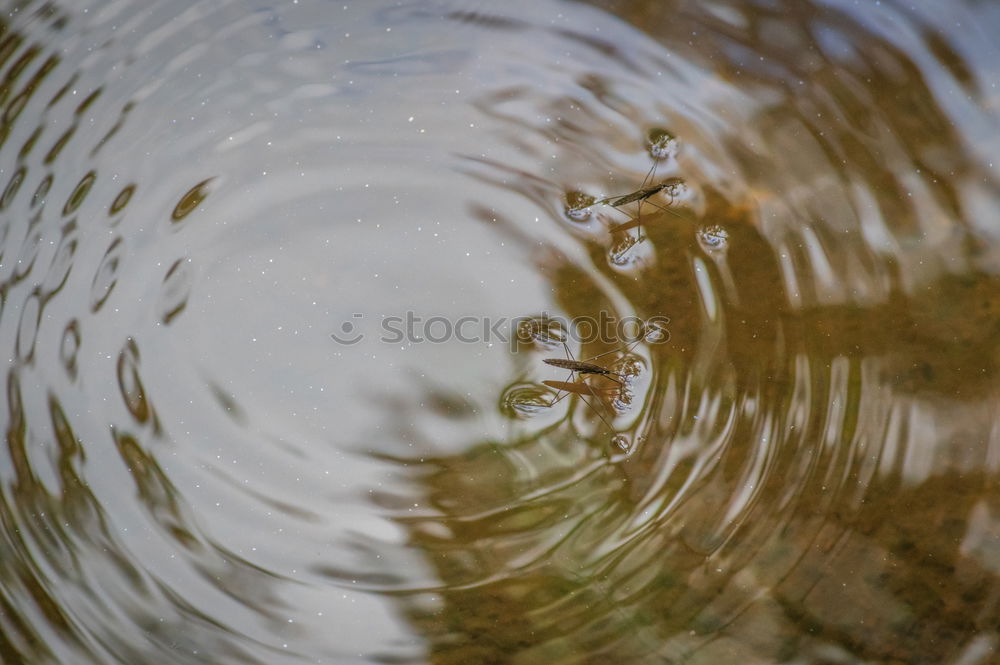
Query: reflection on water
{"x": 800, "y": 467}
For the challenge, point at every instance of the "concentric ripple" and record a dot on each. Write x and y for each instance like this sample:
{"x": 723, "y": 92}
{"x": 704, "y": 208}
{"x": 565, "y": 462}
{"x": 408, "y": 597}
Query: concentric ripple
{"x": 278, "y": 285}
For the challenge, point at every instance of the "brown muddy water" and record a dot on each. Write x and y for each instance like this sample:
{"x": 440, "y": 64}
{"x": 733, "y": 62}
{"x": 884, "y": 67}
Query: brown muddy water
{"x": 278, "y": 281}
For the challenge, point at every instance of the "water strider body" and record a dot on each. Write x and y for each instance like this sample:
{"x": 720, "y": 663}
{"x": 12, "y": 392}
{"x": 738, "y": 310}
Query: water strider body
{"x": 643, "y": 193}
{"x": 581, "y": 367}
{"x": 578, "y": 204}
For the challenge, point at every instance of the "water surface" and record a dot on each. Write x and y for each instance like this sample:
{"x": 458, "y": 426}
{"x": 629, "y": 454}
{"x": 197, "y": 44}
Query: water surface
{"x": 200, "y": 198}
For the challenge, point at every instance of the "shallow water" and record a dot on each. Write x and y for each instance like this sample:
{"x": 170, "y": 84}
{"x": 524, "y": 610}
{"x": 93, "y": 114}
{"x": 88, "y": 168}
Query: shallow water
{"x": 231, "y": 232}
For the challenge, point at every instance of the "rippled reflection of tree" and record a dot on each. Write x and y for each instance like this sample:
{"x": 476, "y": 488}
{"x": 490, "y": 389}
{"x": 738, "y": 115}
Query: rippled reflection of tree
{"x": 867, "y": 531}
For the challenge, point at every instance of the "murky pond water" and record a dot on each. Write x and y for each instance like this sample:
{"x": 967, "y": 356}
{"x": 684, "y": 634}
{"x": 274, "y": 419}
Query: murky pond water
{"x": 278, "y": 281}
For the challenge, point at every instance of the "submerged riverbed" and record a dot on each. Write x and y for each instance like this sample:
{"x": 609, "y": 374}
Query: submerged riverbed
{"x": 278, "y": 281}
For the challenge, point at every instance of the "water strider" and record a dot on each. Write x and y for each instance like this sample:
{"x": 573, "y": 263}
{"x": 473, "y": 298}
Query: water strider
{"x": 585, "y": 367}
{"x": 581, "y": 367}
{"x": 671, "y": 186}
{"x": 661, "y": 145}
{"x": 641, "y": 194}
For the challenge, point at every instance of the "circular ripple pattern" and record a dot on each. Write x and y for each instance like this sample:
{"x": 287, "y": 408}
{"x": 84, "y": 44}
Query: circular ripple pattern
{"x": 278, "y": 281}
